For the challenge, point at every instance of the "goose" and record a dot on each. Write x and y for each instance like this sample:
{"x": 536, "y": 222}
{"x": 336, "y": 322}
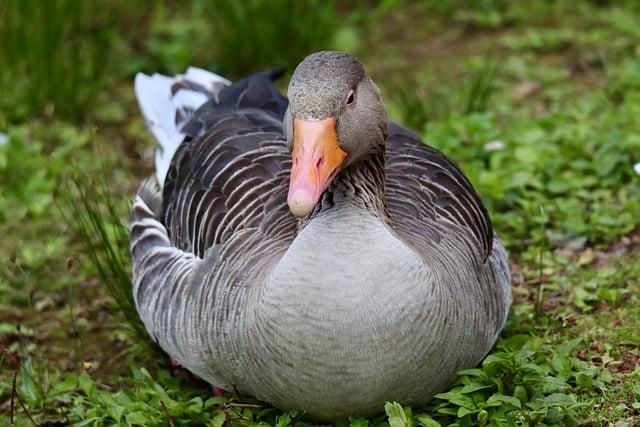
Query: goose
{"x": 305, "y": 250}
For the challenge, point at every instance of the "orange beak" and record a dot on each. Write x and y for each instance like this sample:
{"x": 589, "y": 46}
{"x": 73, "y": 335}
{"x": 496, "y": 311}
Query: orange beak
{"x": 316, "y": 159}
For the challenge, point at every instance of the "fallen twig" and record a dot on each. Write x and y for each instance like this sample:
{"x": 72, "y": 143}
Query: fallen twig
{"x": 241, "y": 405}
{"x": 166, "y": 413}
{"x": 15, "y": 395}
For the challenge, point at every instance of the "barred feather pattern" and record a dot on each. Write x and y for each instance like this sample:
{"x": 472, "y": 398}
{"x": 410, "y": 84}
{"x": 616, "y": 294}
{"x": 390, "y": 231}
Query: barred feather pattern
{"x": 423, "y": 183}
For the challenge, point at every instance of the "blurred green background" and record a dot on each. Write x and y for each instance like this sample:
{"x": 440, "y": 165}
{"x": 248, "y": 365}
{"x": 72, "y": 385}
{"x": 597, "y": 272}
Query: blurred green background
{"x": 538, "y": 102}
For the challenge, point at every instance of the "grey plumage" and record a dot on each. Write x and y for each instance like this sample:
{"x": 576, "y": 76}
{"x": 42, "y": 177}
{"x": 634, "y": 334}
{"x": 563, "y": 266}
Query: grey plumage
{"x": 393, "y": 283}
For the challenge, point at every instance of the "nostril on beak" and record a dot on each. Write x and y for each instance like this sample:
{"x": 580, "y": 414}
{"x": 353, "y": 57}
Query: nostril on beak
{"x": 320, "y": 162}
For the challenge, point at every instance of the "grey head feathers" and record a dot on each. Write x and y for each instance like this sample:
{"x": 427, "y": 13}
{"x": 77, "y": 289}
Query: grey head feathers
{"x": 335, "y": 84}
{"x": 321, "y": 82}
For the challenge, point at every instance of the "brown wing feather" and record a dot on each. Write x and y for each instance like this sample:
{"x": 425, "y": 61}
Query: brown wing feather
{"x": 235, "y": 177}
{"x": 421, "y": 182}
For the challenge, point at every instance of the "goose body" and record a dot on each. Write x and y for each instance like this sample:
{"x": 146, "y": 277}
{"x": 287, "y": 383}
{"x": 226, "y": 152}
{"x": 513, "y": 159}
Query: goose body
{"x": 387, "y": 282}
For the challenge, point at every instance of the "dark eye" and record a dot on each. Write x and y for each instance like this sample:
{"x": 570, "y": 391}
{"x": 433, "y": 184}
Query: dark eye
{"x": 351, "y": 97}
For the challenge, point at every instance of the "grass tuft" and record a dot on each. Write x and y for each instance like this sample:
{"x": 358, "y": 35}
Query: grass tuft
{"x": 427, "y": 98}
{"x": 97, "y": 222}
{"x": 483, "y": 85}
{"x": 53, "y": 56}
{"x": 257, "y": 34}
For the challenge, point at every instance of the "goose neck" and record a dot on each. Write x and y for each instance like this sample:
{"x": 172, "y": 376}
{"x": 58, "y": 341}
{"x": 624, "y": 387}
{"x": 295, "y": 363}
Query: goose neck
{"x": 360, "y": 186}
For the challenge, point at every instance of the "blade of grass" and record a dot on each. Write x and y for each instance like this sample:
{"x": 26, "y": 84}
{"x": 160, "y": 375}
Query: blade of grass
{"x": 483, "y": 86}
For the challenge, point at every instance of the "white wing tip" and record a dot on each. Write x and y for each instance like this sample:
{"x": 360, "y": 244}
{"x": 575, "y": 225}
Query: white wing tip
{"x": 160, "y": 106}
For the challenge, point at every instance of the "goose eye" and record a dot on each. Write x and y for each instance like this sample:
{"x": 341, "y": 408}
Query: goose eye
{"x": 351, "y": 97}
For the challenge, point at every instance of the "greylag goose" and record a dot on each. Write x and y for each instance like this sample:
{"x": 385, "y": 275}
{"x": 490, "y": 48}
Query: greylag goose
{"x": 307, "y": 251}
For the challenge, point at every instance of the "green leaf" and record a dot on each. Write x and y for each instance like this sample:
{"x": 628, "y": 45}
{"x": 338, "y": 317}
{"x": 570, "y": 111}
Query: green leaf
{"x": 26, "y": 385}
{"x": 513, "y": 401}
{"x": 474, "y": 386}
{"x": 482, "y": 417}
{"x": 68, "y": 384}
{"x": 473, "y": 372}
{"x": 457, "y": 398}
{"x": 605, "y": 376}
{"x": 137, "y": 417}
{"x": 584, "y": 381}
{"x": 448, "y": 411}
{"x": 397, "y": 416}
{"x": 451, "y": 394}
{"x": 217, "y": 400}
{"x": 218, "y": 420}
{"x": 549, "y": 384}
{"x": 86, "y": 384}
{"x": 283, "y": 420}
{"x": 462, "y": 411}
{"x": 116, "y": 412}
{"x": 358, "y": 422}
{"x": 561, "y": 363}
{"x": 496, "y": 358}
{"x": 427, "y": 421}
{"x": 91, "y": 421}
{"x": 195, "y": 406}
{"x": 521, "y": 394}
{"x": 559, "y": 399}
{"x": 16, "y": 329}
{"x": 465, "y": 401}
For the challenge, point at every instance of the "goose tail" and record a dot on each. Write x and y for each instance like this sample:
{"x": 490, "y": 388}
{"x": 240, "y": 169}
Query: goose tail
{"x": 167, "y": 103}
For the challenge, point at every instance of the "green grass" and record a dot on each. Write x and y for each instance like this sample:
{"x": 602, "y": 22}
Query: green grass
{"x": 538, "y": 105}
{"x": 53, "y": 56}
{"x": 94, "y": 217}
{"x": 424, "y": 98}
{"x": 258, "y": 34}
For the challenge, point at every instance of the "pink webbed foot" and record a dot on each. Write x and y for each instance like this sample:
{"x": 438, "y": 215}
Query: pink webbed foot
{"x": 217, "y": 391}
{"x": 177, "y": 369}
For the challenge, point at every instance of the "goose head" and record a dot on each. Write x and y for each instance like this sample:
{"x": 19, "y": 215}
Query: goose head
{"x": 335, "y": 119}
